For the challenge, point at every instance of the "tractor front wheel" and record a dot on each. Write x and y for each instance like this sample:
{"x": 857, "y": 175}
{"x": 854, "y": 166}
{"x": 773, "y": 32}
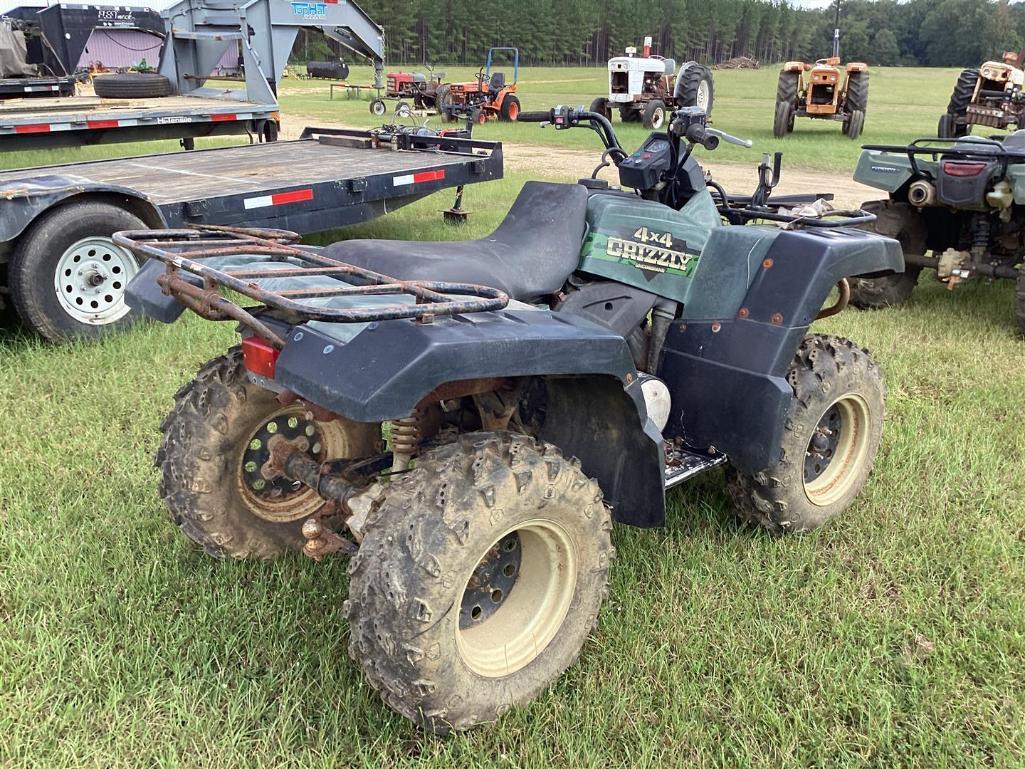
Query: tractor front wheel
{"x": 510, "y": 109}
{"x": 654, "y": 114}
{"x": 903, "y": 223}
{"x": 830, "y": 439}
{"x": 378, "y": 107}
{"x": 478, "y": 579}
{"x": 854, "y": 123}
{"x": 601, "y": 106}
{"x": 211, "y": 461}
{"x": 784, "y": 122}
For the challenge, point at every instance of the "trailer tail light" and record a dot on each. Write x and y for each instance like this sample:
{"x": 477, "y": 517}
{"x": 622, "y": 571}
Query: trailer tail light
{"x": 259, "y": 356}
{"x": 960, "y": 168}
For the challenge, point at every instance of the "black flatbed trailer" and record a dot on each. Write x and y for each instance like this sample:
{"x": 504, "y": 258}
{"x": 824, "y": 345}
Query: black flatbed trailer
{"x": 57, "y": 261}
{"x": 73, "y": 121}
{"x": 36, "y": 87}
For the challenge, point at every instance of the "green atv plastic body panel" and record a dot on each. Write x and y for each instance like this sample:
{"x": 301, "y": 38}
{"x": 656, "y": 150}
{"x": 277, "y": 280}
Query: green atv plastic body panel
{"x": 891, "y": 171}
{"x": 688, "y": 256}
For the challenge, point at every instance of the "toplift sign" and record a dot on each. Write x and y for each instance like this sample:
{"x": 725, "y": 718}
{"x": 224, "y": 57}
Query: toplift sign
{"x": 310, "y": 10}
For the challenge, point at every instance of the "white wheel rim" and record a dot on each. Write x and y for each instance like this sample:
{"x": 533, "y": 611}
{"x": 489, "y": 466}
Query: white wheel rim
{"x": 535, "y": 609}
{"x": 657, "y": 118}
{"x": 850, "y": 454}
{"x": 703, "y": 95}
{"x": 90, "y": 280}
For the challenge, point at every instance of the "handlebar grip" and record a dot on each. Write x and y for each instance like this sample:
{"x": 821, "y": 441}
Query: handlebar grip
{"x": 534, "y": 117}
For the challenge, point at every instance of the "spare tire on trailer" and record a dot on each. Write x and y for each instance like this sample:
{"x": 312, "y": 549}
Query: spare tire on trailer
{"x": 694, "y": 87}
{"x": 132, "y": 85}
{"x": 332, "y": 70}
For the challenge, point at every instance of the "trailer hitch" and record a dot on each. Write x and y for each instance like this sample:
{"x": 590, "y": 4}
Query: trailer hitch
{"x": 289, "y": 458}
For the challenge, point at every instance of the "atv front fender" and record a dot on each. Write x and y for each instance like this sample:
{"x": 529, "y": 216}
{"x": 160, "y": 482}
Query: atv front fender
{"x": 594, "y": 411}
{"x": 727, "y": 375}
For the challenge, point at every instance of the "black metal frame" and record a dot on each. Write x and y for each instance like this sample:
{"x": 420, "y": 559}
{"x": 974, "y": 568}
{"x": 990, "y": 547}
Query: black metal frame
{"x": 180, "y": 250}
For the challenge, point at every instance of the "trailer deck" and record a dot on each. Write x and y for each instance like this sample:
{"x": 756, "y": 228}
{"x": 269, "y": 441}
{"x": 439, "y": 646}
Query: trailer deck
{"x": 56, "y": 221}
{"x": 76, "y": 120}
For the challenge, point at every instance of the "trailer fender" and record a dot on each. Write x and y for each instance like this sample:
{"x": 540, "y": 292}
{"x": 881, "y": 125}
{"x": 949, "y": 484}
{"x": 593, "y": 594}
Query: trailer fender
{"x": 727, "y": 374}
{"x": 25, "y": 200}
{"x": 595, "y": 409}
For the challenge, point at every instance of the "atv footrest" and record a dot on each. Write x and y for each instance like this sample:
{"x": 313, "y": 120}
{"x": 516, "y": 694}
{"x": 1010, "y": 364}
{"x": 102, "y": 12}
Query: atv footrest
{"x": 682, "y": 465}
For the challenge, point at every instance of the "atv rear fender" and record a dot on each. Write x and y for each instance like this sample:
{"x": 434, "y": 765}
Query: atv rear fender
{"x": 594, "y": 407}
{"x": 727, "y": 374}
{"x": 887, "y": 171}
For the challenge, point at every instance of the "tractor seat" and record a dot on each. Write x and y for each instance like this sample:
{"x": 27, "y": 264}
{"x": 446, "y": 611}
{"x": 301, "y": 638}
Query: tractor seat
{"x": 531, "y": 254}
{"x": 497, "y": 82}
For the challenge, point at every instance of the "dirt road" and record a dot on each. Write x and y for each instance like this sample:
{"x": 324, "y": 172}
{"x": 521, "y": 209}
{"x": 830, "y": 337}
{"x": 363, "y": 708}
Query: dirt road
{"x": 738, "y": 178}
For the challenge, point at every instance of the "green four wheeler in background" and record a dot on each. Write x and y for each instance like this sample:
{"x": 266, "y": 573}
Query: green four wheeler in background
{"x": 466, "y": 419}
{"x": 955, "y": 205}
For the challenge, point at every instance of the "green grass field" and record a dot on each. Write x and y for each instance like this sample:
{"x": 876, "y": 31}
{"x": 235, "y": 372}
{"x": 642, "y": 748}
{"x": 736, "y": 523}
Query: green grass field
{"x": 893, "y": 638}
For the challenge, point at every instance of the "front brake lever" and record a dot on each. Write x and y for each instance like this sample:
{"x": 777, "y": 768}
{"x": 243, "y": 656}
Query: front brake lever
{"x": 747, "y": 143}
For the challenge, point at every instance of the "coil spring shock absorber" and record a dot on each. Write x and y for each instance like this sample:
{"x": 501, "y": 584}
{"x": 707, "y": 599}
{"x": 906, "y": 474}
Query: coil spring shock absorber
{"x": 980, "y": 237}
{"x": 405, "y": 438}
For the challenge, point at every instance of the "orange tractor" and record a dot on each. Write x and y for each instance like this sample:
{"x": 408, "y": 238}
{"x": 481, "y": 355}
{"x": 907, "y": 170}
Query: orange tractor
{"x": 489, "y": 97}
{"x": 822, "y": 91}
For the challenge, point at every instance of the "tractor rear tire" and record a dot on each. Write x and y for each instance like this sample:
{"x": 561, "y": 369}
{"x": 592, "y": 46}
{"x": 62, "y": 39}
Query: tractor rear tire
{"x": 695, "y": 88}
{"x": 960, "y": 98}
{"x": 854, "y": 123}
{"x": 857, "y": 92}
{"x": 901, "y": 222}
{"x": 443, "y": 98}
{"x": 832, "y": 432}
{"x": 132, "y": 85}
{"x": 510, "y": 109}
{"x": 1019, "y": 309}
{"x": 601, "y": 106}
{"x": 478, "y": 580}
{"x": 784, "y": 122}
{"x": 654, "y": 114}
{"x": 206, "y": 481}
{"x": 786, "y": 87}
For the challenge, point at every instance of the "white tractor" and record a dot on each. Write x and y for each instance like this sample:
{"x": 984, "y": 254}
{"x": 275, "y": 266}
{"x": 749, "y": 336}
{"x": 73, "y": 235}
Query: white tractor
{"x": 645, "y": 88}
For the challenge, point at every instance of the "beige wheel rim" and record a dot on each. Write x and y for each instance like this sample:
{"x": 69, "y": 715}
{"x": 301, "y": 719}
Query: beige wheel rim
{"x": 531, "y": 612}
{"x": 837, "y": 451}
{"x": 279, "y": 500}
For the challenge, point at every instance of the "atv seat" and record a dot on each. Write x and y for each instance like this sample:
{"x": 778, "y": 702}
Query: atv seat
{"x": 531, "y": 254}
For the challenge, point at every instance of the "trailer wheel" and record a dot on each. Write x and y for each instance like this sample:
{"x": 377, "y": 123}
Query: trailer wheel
{"x": 378, "y": 107}
{"x": 215, "y": 442}
{"x": 654, "y": 114}
{"x": 132, "y": 85}
{"x": 832, "y": 432}
{"x": 67, "y": 277}
{"x": 478, "y": 580}
{"x": 601, "y": 106}
{"x": 510, "y": 108}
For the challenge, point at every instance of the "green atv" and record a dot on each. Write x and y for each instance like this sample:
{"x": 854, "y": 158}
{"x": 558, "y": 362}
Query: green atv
{"x": 467, "y": 419}
{"x": 957, "y": 206}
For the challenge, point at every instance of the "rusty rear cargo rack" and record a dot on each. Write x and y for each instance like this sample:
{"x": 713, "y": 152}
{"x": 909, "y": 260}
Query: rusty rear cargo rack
{"x": 197, "y": 285}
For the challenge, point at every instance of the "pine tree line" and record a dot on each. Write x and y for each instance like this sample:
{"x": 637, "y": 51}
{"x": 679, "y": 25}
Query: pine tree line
{"x": 589, "y": 32}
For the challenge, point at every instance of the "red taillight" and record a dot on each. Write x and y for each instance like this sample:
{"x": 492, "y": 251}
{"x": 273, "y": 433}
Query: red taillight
{"x": 960, "y": 168}
{"x": 259, "y": 356}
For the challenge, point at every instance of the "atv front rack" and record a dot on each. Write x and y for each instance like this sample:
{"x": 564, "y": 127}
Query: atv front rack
{"x": 198, "y": 286}
{"x": 738, "y": 210}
